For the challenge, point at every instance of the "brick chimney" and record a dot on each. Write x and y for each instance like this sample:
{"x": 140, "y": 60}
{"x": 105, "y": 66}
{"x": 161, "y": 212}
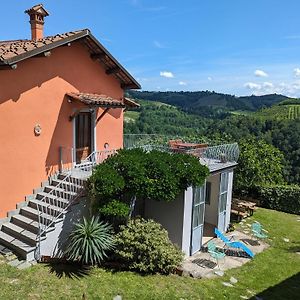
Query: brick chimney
{"x": 37, "y": 14}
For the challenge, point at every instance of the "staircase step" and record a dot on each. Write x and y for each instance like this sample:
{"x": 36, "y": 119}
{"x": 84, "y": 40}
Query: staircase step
{"x": 23, "y": 249}
{"x": 32, "y": 213}
{"x": 45, "y": 207}
{"x": 27, "y": 223}
{"x": 69, "y": 186}
{"x": 20, "y": 233}
{"x": 53, "y": 190}
{"x": 54, "y": 200}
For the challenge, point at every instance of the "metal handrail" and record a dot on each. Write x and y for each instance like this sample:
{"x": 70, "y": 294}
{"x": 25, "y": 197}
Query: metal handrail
{"x": 74, "y": 191}
{"x": 56, "y": 207}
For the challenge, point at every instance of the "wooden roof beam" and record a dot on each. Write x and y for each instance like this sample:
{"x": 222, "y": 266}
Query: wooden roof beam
{"x": 112, "y": 71}
{"x": 95, "y": 56}
{"x": 44, "y": 54}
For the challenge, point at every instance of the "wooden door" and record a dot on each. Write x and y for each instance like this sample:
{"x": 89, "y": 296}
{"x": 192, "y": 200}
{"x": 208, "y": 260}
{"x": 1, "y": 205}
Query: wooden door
{"x": 83, "y": 136}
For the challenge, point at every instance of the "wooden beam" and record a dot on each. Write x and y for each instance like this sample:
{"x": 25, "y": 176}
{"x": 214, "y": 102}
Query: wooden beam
{"x": 112, "y": 70}
{"x": 76, "y": 113}
{"x": 128, "y": 86}
{"x": 95, "y": 56}
{"x": 44, "y": 54}
{"x": 102, "y": 115}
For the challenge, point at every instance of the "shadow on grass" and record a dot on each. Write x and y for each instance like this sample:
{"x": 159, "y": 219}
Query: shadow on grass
{"x": 287, "y": 289}
{"x": 294, "y": 248}
{"x": 68, "y": 269}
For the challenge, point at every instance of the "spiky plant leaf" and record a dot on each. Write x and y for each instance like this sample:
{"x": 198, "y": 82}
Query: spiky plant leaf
{"x": 90, "y": 241}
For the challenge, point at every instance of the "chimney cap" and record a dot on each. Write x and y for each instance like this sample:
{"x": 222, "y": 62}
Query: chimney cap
{"x": 37, "y": 10}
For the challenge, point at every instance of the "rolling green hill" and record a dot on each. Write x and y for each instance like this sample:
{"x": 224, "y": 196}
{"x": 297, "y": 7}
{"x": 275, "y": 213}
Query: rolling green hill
{"x": 285, "y": 110}
{"x": 211, "y": 104}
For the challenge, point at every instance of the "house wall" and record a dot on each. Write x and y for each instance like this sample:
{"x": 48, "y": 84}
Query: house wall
{"x": 169, "y": 215}
{"x": 211, "y": 210}
{"x": 33, "y": 94}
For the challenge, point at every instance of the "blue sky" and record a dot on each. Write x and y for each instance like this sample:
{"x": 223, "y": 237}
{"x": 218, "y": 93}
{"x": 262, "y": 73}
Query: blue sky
{"x": 238, "y": 47}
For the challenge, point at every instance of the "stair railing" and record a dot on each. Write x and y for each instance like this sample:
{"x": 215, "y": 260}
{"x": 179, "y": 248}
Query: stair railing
{"x": 55, "y": 204}
{"x": 95, "y": 158}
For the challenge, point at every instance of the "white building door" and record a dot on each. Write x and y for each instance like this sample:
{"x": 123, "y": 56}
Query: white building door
{"x": 223, "y": 201}
{"x": 197, "y": 218}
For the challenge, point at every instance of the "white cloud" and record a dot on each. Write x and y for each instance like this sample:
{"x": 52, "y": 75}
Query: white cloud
{"x": 268, "y": 85}
{"x": 158, "y": 44}
{"x": 260, "y": 73}
{"x": 252, "y": 86}
{"x": 182, "y": 83}
{"x": 297, "y": 72}
{"x": 166, "y": 74}
{"x": 290, "y": 89}
{"x": 209, "y": 78}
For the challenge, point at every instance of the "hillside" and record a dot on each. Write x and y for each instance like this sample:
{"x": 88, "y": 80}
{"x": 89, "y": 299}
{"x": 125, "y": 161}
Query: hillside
{"x": 160, "y": 118}
{"x": 285, "y": 110}
{"x": 210, "y": 104}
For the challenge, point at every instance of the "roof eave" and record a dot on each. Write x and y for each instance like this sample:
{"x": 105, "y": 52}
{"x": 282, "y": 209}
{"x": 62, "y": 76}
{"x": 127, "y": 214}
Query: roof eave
{"x": 84, "y": 33}
{"x": 134, "y": 84}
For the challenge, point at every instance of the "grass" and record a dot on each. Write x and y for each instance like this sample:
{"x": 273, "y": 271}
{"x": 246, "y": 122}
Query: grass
{"x": 131, "y": 116}
{"x": 273, "y": 274}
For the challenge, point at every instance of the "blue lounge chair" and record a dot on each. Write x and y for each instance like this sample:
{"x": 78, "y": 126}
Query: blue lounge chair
{"x": 233, "y": 244}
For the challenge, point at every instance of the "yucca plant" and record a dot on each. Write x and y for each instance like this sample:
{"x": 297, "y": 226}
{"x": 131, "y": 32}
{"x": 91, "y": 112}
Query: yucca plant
{"x": 90, "y": 241}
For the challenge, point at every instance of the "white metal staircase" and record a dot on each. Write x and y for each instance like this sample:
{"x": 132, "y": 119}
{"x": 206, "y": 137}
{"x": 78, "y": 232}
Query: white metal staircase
{"x": 26, "y": 230}
{"x": 30, "y": 226}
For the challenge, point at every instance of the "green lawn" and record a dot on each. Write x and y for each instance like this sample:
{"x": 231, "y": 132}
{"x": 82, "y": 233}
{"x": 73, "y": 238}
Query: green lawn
{"x": 273, "y": 274}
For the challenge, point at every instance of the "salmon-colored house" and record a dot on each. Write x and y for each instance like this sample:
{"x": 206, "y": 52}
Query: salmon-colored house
{"x": 61, "y": 98}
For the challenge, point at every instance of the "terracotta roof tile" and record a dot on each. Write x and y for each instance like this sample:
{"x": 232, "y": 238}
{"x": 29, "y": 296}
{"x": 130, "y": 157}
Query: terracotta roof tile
{"x": 10, "y": 49}
{"x": 96, "y": 100}
{"x": 12, "y": 52}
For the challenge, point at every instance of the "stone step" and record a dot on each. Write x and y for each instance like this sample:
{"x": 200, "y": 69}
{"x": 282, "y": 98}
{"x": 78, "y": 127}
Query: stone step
{"x": 22, "y": 249}
{"x": 74, "y": 186}
{"x": 28, "y": 223}
{"x": 53, "y": 199}
{"x": 47, "y": 208}
{"x": 20, "y": 233}
{"x": 56, "y": 191}
{"x": 32, "y": 213}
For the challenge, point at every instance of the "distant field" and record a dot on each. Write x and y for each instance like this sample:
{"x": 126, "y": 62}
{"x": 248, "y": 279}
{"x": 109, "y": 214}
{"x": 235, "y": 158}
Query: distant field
{"x": 280, "y": 112}
{"x": 131, "y": 116}
{"x": 241, "y": 113}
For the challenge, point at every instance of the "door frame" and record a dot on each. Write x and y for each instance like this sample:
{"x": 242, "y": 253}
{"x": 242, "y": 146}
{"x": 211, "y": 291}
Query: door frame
{"x": 201, "y": 226}
{"x": 222, "y": 214}
{"x": 93, "y": 132}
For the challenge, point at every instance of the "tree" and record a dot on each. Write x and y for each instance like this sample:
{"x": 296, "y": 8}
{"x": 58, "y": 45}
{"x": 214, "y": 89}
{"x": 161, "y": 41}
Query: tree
{"x": 259, "y": 164}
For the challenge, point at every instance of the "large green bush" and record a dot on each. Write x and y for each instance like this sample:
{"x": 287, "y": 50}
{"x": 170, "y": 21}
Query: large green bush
{"x": 279, "y": 197}
{"x": 152, "y": 175}
{"x": 90, "y": 241}
{"x": 144, "y": 246}
{"x": 259, "y": 164}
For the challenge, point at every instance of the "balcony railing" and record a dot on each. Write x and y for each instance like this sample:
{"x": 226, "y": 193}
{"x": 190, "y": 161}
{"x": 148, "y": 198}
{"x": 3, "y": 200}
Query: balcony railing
{"x": 209, "y": 153}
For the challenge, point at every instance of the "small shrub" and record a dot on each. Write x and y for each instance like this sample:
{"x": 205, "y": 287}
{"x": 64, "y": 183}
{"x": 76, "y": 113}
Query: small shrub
{"x": 105, "y": 183}
{"x": 144, "y": 246}
{"x": 90, "y": 241}
{"x": 115, "y": 212}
